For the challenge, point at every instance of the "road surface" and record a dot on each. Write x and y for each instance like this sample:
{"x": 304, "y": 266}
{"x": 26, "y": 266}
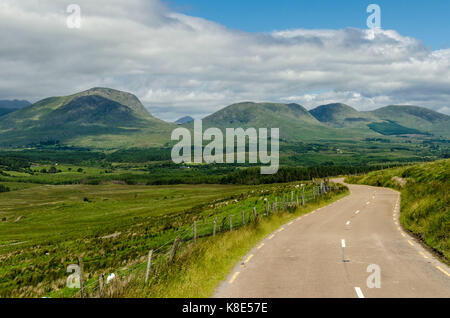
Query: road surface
{"x": 327, "y": 254}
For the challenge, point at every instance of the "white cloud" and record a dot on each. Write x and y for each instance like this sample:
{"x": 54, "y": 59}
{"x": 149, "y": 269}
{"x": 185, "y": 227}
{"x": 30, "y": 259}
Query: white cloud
{"x": 182, "y": 65}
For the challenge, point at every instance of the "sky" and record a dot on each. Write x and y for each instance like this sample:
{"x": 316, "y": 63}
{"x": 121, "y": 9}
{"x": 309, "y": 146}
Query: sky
{"x": 195, "y": 57}
{"x": 428, "y": 21}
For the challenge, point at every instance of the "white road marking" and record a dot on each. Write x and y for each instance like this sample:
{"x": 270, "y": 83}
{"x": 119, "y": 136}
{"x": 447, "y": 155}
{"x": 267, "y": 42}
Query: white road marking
{"x": 261, "y": 246}
{"x": 410, "y": 243}
{"x": 343, "y": 243}
{"x": 442, "y": 270}
{"x": 359, "y": 292}
{"x": 234, "y": 277}
{"x": 271, "y": 237}
{"x": 248, "y": 259}
{"x": 348, "y": 223}
{"x": 423, "y": 254}
{"x": 357, "y": 212}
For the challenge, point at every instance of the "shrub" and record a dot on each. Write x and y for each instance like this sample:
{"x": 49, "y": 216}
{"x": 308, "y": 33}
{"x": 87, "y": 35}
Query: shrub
{"x": 4, "y": 188}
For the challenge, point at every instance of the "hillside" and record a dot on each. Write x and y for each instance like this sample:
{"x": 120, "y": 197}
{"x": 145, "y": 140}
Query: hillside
{"x": 294, "y": 121}
{"x": 103, "y": 118}
{"x": 9, "y": 106}
{"x": 341, "y": 115}
{"x": 96, "y": 118}
{"x": 425, "y": 200}
{"x": 388, "y": 121}
{"x": 184, "y": 120}
{"x": 415, "y": 117}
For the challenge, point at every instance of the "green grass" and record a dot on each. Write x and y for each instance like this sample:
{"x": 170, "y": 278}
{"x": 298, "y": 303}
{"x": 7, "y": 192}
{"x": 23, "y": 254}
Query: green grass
{"x": 425, "y": 201}
{"x": 44, "y": 228}
{"x": 199, "y": 268}
{"x": 390, "y": 128}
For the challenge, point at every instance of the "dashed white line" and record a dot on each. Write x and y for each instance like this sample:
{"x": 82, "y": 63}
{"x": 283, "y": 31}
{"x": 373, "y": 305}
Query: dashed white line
{"x": 343, "y": 243}
{"x": 357, "y": 212}
{"x": 348, "y": 223}
{"x": 359, "y": 292}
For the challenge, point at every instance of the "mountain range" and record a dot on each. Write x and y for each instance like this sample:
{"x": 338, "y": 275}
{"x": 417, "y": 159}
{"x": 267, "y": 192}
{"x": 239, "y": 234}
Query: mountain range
{"x": 8, "y": 106}
{"x": 103, "y": 118}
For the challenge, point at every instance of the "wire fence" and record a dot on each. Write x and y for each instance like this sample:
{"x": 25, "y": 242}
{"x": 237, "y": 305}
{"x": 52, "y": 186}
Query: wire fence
{"x": 287, "y": 202}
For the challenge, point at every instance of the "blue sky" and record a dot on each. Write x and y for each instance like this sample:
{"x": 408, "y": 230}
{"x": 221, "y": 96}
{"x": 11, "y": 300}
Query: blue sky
{"x": 428, "y": 21}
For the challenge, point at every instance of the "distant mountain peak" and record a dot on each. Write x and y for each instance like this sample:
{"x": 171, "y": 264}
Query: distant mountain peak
{"x": 184, "y": 120}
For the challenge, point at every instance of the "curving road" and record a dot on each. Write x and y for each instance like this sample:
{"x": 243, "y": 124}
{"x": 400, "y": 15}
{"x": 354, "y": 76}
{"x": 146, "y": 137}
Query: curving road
{"x": 326, "y": 254}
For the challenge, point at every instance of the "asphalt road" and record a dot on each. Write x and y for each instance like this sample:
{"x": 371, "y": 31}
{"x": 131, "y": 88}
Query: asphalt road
{"x": 327, "y": 254}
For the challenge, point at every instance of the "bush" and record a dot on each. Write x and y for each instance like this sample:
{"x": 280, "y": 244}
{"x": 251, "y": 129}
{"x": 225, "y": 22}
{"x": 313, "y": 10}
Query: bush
{"x": 4, "y": 188}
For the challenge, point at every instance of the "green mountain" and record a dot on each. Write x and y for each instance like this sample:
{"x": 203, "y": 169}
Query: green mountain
{"x": 388, "y": 121}
{"x": 419, "y": 118}
{"x": 294, "y": 121}
{"x": 103, "y": 118}
{"x": 9, "y": 106}
{"x": 96, "y": 118}
{"x": 184, "y": 120}
{"x": 341, "y": 115}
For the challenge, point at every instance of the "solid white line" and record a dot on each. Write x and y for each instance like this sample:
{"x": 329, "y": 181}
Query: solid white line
{"x": 248, "y": 259}
{"x": 234, "y": 277}
{"x": 359, "y": 292}
{"x": 442, "y": 270}
{"x": 343, "y": 243}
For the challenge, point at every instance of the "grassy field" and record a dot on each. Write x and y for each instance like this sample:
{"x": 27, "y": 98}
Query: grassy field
{"x": 199, "y": 268}
{"x": 47, "y": 227}
{"x": 425, "y": 200}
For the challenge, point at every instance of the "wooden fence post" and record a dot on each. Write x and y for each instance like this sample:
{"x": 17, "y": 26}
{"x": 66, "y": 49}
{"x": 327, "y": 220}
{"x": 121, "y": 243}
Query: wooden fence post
{"x": 243, "y": 217}
{"x": 255, "y": 214}
{"x": 303, "y": 196}
{"x": 80, "y": 263}
{"x": 215, "y": 226}
{"x": 149, "y": 264}
{"x": 101, "y": 281}
{"x": 173, "y": 252}
{"x": 195, "y": 232}
{"x": 231, "y": 222}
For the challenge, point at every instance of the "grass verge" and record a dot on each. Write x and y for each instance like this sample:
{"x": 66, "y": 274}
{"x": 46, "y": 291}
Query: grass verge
{"x": 425, "y": 201}
{"x": 199, "y": 268}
